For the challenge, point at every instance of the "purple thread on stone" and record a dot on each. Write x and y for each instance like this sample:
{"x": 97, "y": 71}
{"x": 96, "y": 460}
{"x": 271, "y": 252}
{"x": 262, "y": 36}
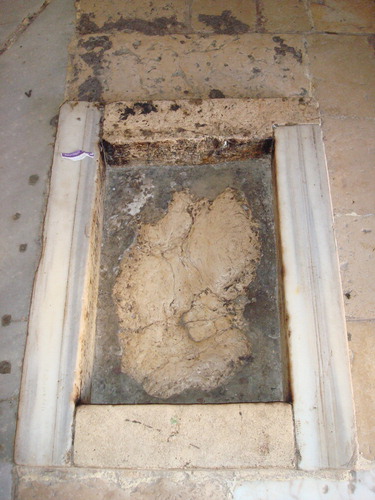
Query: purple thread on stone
{"x": 77, "y": 155}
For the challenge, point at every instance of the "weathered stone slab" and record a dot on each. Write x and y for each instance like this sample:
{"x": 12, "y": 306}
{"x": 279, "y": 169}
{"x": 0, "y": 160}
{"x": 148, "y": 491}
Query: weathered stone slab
{"x": 350, "y": 149}
{"x": 166, "y": 436}
{"x": 135, "y": 66}
{"x": 361, "y": 335}
{"x": 197, "y": 131}
{"x": 344, "y": 16}
{"x": 149, "y": 18}
{"x": 240, "y": 484}
{"x": 343, "y": 74}
{"x": 93, "y": 484}
{"x": 290, "y": 16}
{"x": 356, "y": 243}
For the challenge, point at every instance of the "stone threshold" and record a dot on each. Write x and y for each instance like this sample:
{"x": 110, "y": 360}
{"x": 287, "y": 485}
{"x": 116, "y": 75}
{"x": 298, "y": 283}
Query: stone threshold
{"x": 59, "y": 352}
{"x": 244, "y": 484}
{"x": 184, "y": 436}
{"x": 196, "y": 131}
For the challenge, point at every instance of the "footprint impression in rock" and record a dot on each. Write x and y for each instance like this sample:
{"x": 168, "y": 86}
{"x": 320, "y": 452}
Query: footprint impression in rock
{"x": 180, "y": 295}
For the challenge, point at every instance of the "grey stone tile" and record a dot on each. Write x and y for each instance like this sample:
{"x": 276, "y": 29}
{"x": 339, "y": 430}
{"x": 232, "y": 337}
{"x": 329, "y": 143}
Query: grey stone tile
{"x": 12, "y": 346}
{"x": 13, "y": 12}
{"x": 8, "y": 415}
{"x": 6, "y": 480}
{"x": 31, "y": 91}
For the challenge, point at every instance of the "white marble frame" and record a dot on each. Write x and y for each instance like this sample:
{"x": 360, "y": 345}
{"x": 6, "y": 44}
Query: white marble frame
{"x": 318, "y": 351}
{"x": 60, "y": 341}
{"x": 61, "y": 330}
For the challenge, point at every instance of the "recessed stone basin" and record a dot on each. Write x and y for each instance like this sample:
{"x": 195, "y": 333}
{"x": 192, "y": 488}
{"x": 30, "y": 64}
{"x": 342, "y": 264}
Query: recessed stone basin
{"x": 188, "y": 306}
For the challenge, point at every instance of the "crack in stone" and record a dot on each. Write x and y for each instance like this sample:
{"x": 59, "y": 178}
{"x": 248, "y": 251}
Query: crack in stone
{"x": 141, "y": 423}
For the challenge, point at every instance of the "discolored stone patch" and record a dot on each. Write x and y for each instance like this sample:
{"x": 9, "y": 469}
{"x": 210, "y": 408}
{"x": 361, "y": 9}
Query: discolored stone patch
{"x": 138, "y": 108}
{"x": 90, "y": 90}
{"x": 96, "y": 42}
{"x": 5, "y": 367}
{"x": 93, "y": 49}
{"x": 6, "y": 319}
{"x": 185, "y": 315}
{"x": 180, "y": 297}
{"x": 216, "y": 94}
{"x": 148, "y": 18}
{"x": 217, "y": 16}
{"x": 225, "y": 24}
{"x": 283, "y": 49}
{"x": 158, "y": 26}
{"x": 33, "y": 179}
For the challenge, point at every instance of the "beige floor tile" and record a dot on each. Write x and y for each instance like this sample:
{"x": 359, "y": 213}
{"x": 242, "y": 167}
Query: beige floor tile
{"x": 83, "y": 484}
{"x": 350, "y": 150}
{"x": 177, "y": 436}
{"x": 356, "y": 245}
{"x": 132, "y": 66}
{"x": 272, "y": 484}
{"x": 344, "y": 16}
{"x": 362, "y": 346}
{"x": 283, "y": 17}
{"x": 151, "y": 17}
{"x": 220, "y": 16}
{"x": 343, "y": 73}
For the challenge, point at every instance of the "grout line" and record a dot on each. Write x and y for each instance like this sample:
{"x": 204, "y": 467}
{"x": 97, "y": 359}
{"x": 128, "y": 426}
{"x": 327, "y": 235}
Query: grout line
{"x": 308, "y": 72}
{"x": 25, "y": 23}
{"x": 352, "y": 214}
{"x": 306, "y": 4}
{"x": 260, "y": 18}
{"x": 189, "y": 16}
{"x": 350, "y": 319}
{"x": 346, "y": 117}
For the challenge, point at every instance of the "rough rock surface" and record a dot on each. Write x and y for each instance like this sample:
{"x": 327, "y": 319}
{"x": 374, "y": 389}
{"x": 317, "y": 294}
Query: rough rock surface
{"x": 180, "y": 295}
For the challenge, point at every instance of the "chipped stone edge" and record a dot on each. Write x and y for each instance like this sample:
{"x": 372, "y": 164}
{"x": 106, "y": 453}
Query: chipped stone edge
{"x": 60, "y": 341}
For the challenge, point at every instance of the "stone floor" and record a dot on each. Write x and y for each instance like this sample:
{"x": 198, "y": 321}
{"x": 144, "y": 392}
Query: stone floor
{"x": 185, "y": 49}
